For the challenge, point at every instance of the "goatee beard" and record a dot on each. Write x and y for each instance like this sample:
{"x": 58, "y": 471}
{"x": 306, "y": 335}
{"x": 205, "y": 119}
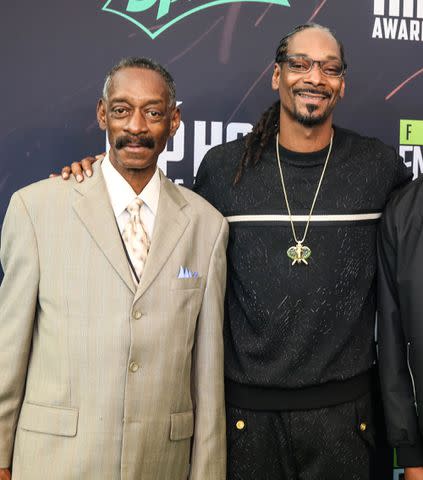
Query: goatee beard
{"x": 308, "y": 120}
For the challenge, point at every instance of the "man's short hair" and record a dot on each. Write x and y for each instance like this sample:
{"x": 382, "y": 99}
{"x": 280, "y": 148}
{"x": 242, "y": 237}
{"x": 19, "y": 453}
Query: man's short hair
{"x": 142, "y": 63}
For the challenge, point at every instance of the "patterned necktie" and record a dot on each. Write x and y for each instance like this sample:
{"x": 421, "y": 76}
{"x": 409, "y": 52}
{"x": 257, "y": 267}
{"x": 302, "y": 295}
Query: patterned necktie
{"x": 135, "y": 237}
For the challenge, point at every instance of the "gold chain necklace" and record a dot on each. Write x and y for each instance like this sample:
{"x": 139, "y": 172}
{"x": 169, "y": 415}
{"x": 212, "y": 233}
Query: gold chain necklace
{"x": 300, "y": 253}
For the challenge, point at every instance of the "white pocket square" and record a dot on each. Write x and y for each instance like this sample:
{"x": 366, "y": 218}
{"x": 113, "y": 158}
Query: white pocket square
{"x": 186, "y": 273}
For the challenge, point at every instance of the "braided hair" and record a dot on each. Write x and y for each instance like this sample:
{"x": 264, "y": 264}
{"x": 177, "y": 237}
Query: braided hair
{"x": 268, "y": 125}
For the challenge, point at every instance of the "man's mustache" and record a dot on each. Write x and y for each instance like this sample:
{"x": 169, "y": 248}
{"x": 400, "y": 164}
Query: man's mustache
{"x": 325, "y": 93}
{"x": 145, "y": 141}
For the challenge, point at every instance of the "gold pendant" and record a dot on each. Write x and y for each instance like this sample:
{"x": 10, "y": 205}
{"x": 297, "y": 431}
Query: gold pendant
{"x": 299, "y": 254}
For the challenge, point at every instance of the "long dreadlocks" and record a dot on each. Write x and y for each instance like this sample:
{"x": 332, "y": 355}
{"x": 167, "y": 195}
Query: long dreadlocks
{"x": 268, "y": 125}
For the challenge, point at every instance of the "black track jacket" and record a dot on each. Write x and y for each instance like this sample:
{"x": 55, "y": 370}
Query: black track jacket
{"x": 400, "y": 289}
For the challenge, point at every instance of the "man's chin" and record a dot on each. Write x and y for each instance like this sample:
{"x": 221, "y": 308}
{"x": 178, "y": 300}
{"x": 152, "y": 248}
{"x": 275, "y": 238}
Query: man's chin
{"x": 134, "y": 161}
{"x": 134, "y": 157}
{"x": 311, "y": 119}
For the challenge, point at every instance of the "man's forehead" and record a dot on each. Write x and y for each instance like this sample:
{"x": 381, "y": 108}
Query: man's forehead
{"x": 138, "y": 83}
{"x": 314, "y": 42}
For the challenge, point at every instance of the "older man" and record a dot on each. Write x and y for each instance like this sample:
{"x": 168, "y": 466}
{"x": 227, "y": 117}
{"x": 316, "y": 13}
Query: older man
{"x": 111, "y": 361}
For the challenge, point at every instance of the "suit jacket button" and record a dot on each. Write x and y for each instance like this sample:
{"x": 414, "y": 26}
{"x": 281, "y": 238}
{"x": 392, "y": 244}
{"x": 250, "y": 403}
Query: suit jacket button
{"x": 137, "y": 315}
{"x": 133, "y": 366}
{"x": 363, "y": 427}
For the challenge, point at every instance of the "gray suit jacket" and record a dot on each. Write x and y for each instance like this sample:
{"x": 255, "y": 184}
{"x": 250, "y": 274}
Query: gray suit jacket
{"x": 100, "y": 379}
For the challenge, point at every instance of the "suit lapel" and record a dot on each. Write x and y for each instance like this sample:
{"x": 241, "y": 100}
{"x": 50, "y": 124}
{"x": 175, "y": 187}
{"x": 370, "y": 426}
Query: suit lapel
{"x": 169, "y": 226}
{"x": 94, "y": 210}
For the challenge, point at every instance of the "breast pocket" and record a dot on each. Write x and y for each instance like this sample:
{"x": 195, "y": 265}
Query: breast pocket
{"x": 184, "y": 303}
{"x": 186, "y": 283}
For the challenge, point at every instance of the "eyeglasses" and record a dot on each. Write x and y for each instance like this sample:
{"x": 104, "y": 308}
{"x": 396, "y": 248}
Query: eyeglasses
{"x": 303, "y": 64}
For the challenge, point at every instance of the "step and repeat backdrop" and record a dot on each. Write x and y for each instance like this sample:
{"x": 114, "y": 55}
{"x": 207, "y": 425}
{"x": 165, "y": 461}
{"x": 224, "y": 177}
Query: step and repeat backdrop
{"x": 55, "y": 55}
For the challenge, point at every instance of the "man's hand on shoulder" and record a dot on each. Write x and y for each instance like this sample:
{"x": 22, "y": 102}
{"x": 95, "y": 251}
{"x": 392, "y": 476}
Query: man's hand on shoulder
{"x": 413, "y": 473}
{"x": 78, "y": 169}
{"x": 5, "y": 474}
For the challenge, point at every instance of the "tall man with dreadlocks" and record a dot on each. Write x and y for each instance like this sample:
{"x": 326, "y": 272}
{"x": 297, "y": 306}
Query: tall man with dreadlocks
{"x": 303, "y": 198}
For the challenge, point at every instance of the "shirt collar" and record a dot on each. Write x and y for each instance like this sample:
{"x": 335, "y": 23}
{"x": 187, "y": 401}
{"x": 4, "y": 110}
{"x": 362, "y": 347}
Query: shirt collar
{"x": 121, "y": 193}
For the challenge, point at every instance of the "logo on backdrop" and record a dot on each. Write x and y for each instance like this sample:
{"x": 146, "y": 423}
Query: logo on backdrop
{"x": 156, "y": 16}
{"x": 398, "y": 20}
{"x": 205, "y": 135}
{"x": 411, "y": 145}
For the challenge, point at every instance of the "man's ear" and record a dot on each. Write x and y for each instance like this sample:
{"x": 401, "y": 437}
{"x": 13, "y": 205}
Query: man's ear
{"x": 101, "y": 114}
{"x": 342, "y": 91}
{"x": 276, "y": 76}
{"x": 175, "y": 121}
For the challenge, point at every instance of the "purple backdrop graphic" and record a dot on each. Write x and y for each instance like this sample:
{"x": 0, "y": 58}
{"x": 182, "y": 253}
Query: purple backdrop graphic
{"x": 55, "y": 55}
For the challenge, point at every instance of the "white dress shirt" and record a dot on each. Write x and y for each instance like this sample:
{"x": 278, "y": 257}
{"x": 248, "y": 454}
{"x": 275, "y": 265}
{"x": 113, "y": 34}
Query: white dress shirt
{"x": 121, "y": 195}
